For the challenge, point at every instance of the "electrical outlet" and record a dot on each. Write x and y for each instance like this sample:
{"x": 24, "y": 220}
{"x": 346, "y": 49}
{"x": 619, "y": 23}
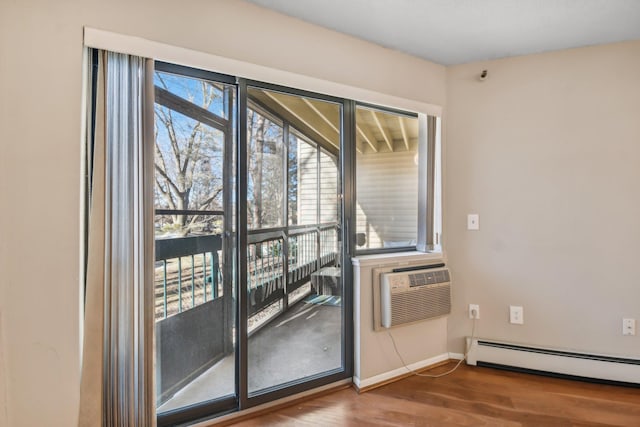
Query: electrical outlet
{"x": 516, "y": 314}
{"x": 472, "y": 308}
{"x": 628, "y": 326}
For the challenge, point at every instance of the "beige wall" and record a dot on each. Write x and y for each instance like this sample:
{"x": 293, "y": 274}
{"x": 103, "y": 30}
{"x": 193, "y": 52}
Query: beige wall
{"x": 420, "y": 344}
{"x": 547, "y": 151}
{"x": 40, "y": 113}
{"x": 4, "y": 241}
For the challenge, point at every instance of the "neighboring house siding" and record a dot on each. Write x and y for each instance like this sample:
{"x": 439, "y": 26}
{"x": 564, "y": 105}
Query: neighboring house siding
{"x": 328, "y": 188}
{"x": 387, "y": 208}
{"x": 307, "y": 183}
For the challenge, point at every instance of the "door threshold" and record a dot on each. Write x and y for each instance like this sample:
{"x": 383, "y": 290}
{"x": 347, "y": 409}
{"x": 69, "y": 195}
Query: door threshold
{"x": 275, "y": 405}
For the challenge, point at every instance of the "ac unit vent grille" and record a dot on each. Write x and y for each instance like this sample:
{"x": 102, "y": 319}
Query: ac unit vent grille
{"x": 407, "y": 297}
{"x": 428, "y": 302}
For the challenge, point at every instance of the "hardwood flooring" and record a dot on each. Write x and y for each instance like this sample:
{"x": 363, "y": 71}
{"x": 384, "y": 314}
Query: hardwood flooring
{"x": 471, "y": 396}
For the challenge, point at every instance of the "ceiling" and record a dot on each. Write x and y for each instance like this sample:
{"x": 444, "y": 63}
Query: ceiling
{"x": 376, "y": 131}
{"x": 452, "y": 32}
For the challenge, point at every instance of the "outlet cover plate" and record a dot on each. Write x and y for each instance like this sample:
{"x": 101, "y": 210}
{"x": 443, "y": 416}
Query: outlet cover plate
{"x": 516, "y": 314}
{"x": 475, "y": 307}
{"x": 628, "y": 326}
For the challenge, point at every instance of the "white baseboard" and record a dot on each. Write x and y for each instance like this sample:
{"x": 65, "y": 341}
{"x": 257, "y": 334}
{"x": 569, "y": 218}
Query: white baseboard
{"x": 563, "y": 362}
{"x": 384, "y": 377}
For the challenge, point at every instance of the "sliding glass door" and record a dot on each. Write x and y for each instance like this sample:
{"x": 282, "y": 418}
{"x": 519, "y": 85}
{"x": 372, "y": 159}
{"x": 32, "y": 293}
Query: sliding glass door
{"x": 294, "y": 277}
{"x": 195, "y": 245}
{"x": 249, "y": 290}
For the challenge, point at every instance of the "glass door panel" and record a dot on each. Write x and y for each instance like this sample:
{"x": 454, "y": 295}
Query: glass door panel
{"x": 294, "y": 277}
{"x": 287, "y": 222}
{"x": 266, "y": 171}
{"x": 194, "y": 266}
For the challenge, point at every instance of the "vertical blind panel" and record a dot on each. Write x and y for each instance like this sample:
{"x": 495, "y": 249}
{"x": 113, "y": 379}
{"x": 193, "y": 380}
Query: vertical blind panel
{"x": 128, "y": 397}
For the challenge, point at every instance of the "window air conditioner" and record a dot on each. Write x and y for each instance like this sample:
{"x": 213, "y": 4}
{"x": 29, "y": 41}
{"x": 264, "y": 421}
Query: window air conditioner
{"x": 411, "y": 296}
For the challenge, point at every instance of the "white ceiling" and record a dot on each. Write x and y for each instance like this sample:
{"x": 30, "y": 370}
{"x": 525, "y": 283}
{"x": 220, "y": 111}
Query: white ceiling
{"x": 458, "y": 31}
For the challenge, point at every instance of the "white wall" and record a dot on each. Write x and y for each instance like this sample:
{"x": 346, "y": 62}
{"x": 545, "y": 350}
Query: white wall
{"x": 420, "y": 344}
{"x": 40, "y": 123}
{"x": 547, "y": 151}
{"x": 4, "y": 420}
{"x": 4, "y": 241}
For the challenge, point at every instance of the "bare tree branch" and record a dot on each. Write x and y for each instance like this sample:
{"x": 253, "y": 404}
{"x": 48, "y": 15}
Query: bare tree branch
{"x": 186, "y": 172}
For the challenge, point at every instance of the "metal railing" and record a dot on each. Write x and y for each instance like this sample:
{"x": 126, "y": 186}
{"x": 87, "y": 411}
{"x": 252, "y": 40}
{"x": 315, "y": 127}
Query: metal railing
{"x": 308, "y": 249}
{"x": 188, "y": 273}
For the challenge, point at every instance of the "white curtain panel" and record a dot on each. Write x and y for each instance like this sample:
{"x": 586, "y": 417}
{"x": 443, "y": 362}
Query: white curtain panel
{"x": 117, "y": 373}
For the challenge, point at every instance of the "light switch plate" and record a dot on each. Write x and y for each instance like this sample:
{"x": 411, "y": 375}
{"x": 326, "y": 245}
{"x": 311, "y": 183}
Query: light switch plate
{"x": 473, "y": 222}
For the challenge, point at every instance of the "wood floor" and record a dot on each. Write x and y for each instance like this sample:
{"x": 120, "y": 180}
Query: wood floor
{"x": 471, "y": 396}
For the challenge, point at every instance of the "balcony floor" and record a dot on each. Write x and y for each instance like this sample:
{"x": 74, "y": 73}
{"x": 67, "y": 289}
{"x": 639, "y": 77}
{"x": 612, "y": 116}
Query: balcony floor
{"x": 302, "y": 342}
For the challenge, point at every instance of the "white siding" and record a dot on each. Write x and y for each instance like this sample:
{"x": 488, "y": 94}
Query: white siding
{"x": 307, "y": 183}
{"x": 387, "y": 204}
{"x": 328, "y": 188}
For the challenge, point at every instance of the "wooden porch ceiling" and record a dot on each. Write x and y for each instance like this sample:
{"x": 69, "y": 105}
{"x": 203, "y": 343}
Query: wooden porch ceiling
{"x": 376, "y": 131}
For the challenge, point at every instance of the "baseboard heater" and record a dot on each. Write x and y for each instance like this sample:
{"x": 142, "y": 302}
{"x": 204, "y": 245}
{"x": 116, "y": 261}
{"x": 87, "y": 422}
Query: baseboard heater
{"x": 557, "y": 363}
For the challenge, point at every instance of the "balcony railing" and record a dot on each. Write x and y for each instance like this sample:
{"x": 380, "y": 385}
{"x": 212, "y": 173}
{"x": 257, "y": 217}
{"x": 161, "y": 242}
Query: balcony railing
{"x": 193, "y": 299}
{"x": 188, "y": 271}
{"x": 308, "y": 248}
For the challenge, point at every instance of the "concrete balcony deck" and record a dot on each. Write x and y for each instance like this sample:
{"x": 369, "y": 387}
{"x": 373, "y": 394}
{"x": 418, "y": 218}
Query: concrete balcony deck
{"x": 302, "y": 342}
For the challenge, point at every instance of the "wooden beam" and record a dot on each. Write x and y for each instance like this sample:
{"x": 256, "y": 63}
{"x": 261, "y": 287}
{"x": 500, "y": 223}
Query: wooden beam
{"x": 327, "y": 121}
{"x": 368, "y": 137}
{"x": 321, "y": 114}
{"x": 193, "y": 111}
{"x": 383, "y": 130}
{"x": 300, "y": 118}
{"x": 258, "y": 100}
{"x": 404, "y": 132}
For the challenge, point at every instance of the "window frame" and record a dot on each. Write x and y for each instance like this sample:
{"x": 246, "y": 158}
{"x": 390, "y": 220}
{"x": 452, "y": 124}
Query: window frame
{"x": 425, "y": 198}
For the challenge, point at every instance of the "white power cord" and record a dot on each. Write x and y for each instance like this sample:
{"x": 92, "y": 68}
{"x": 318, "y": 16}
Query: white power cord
{"x": 473, "y": 335}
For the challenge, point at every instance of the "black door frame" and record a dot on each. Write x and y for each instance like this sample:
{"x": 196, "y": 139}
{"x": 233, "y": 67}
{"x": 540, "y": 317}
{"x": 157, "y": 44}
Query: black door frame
{"x": 229, "y": 403}
{"x": 346, "y": 159}
{"x": 238, "y": 241}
